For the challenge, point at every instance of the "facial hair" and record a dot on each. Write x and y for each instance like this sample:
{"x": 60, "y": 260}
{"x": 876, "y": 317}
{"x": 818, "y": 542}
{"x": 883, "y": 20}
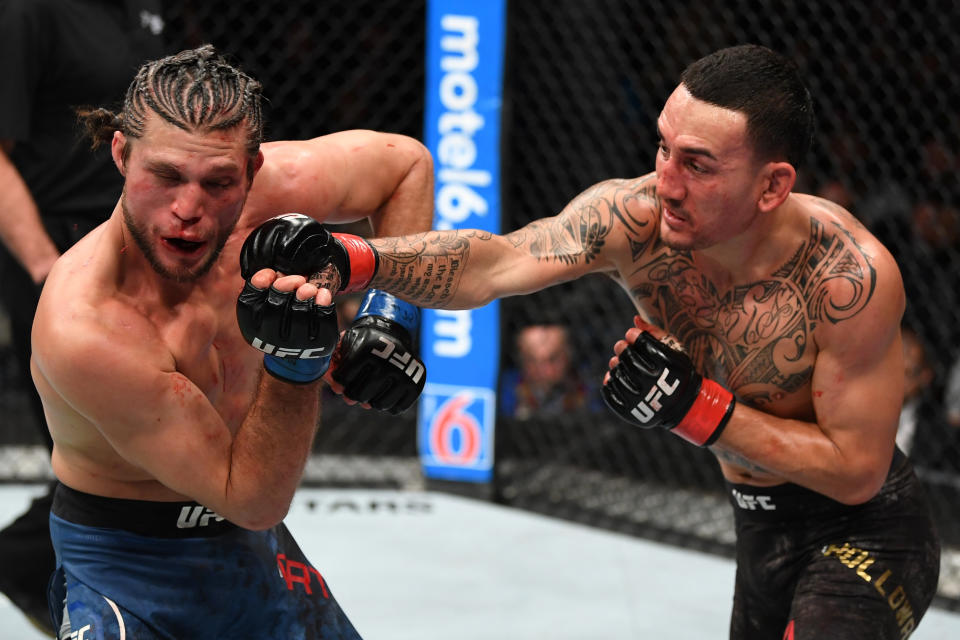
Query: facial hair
{"x": 141, "y": 237}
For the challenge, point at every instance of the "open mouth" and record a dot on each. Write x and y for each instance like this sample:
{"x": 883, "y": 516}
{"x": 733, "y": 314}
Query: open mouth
{"x": 672, "y": 218}
{"x": 185, "y": 247}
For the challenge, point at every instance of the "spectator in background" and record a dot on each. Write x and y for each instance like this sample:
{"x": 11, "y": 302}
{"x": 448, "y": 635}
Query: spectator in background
{"x": 547, "y": 382}
{"x": 55, "y": 55}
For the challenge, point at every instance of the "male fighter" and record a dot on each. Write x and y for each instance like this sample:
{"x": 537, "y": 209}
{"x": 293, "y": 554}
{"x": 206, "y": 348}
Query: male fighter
{"x": 178, "y": 457}
{"x": 787, "y": 311}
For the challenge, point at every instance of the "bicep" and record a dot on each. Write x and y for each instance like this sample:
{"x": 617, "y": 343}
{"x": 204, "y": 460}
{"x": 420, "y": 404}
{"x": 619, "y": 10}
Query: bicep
{"x": 151, "y": 415}
{"x": 337, "y": 178}
{"x": 857, "y": 389}
{"x": 592, "y": 233}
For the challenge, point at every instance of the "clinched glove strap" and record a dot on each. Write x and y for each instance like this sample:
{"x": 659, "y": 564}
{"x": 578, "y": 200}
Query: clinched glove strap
{"x": 296, "y": 370}
{"x": 363, "y": 261}
{"x": 708, "y": 416}
{"x": 386, "y": 305}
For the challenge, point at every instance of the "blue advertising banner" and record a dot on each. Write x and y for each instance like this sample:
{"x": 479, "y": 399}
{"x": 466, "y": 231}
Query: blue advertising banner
{"x": 465, "y": 45}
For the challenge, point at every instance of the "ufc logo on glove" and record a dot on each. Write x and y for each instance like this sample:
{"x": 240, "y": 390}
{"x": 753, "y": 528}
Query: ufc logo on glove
{"x": 650, "y": 405}
{"x": 283, "y": 352}
{"x": 405, "y": 362}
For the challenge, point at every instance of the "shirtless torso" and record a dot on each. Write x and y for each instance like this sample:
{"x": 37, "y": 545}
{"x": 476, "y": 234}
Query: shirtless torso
{"x": 149, "y": 388}
{"x": 757, "y": 335}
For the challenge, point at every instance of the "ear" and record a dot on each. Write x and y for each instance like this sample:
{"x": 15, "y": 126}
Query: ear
{"x": 117, "y": 147}
{"x": 257, "y": 163}
{"x": 777, "y": 183}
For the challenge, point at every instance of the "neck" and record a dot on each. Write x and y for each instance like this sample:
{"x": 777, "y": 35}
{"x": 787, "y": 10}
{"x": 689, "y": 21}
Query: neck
{"x": 752, "y": 254}
{"x": 135, "y": 275}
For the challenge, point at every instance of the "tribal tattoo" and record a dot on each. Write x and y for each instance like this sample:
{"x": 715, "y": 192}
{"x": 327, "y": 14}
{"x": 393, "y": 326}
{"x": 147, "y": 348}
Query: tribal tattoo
{"x": 578, "y": 234}
{"x": 755, "y": 338}
{"x": 427, "y": 268}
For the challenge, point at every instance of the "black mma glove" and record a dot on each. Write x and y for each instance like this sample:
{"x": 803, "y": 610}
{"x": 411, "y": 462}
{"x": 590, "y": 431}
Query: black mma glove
{"x": 297, "y": 244}
{"x": 297, "y": 336}
{"x": 656, "y": 386}
{"x": 375, "y": 360}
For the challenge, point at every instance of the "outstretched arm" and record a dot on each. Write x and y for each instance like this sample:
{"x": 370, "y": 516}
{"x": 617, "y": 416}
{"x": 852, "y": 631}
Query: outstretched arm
{"x": 469, "y": 268}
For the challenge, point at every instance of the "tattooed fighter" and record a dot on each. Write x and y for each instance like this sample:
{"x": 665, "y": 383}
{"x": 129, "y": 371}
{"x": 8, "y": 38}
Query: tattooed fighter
{"x": 788, "y": 312}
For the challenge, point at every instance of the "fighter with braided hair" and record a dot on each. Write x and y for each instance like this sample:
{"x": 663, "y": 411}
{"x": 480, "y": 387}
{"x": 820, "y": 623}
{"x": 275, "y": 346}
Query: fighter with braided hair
{"x": 178, "y": 458}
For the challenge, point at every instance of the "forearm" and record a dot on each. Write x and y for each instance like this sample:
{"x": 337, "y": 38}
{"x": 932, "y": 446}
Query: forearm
{"x": 21, "y": 229}
{"x": 269, "y": 452}
{"x": 459, "y": 269}
{"x": 803, "y": 453}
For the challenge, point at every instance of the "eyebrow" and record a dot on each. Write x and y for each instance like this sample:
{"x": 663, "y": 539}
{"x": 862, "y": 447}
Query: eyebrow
{"x": 695, "y": 151}
{"x": 164, "y": 165}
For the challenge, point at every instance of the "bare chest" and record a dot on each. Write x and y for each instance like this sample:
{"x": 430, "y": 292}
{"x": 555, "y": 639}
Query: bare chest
{"x": 210, "y": 351}
{"x": 756, "y": 338}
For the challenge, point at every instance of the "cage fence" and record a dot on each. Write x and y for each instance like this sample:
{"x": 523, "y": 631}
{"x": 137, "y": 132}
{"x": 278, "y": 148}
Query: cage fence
{"x": 584, "y": 83}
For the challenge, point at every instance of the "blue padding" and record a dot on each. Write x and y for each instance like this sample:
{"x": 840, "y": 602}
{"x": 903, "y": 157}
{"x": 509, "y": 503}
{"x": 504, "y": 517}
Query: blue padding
{"x": 296, "y": 370}
{"x": 386, "y": 305}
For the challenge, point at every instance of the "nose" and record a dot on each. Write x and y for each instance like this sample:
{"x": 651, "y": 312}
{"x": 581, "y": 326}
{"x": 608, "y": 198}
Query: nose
{"x": 669, "y": 185}
{"x": 188, "y": 204}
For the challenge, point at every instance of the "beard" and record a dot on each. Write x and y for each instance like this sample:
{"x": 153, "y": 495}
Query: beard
{"x": 671, "y": 240}
{"x": 180, "y": 275}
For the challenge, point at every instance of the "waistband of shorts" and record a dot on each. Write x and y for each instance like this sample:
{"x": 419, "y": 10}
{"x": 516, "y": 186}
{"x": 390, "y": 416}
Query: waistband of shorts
{"x": 142, "y": 517}
{"x": 789, "y": 501}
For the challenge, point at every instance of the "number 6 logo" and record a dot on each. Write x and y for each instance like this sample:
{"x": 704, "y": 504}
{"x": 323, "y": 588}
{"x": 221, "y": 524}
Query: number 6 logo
{"x": 450, "y": 421}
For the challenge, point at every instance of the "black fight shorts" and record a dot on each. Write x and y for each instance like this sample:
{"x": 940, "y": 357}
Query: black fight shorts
{"x": 811, "y": 568}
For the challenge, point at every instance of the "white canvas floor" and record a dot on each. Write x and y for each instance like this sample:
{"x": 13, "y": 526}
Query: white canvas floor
{"x": 432, "y": 566}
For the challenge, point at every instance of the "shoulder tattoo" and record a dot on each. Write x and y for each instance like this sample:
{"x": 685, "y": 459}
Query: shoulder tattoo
{"x": 578, "y": 234}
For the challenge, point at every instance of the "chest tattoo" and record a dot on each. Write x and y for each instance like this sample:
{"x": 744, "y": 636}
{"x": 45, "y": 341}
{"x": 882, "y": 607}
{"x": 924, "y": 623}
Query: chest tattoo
{"x": 756, "y": 338}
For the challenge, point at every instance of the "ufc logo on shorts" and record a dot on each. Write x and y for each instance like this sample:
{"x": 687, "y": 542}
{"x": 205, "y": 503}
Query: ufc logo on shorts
{"x": 192, "y": 517}
{"x": 403, "y": 361}
{"x": 80, "y": 634}
{"x": 648, "y": 407}
{"x": 302, "y": 354}
{"x": 753, "y": 503}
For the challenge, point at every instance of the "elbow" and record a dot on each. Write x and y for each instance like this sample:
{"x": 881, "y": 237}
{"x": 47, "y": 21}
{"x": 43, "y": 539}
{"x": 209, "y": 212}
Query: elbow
{"x": 259, "y": 516}
{"x": 267, "y": 519}
{"x": 859, "y": 488}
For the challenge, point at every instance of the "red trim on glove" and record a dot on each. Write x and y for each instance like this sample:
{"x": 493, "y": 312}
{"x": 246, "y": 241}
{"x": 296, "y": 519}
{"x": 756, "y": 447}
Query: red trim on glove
{"x": 708, "y": 416}
{"x": 363, "y": 261}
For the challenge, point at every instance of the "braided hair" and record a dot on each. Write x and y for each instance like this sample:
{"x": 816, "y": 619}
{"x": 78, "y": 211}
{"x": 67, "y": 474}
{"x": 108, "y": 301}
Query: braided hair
{"x": 195, "y": 90}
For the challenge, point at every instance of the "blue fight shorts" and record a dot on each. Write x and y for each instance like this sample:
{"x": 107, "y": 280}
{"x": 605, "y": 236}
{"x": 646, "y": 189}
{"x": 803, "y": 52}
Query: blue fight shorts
{"x": 141, "y": 570}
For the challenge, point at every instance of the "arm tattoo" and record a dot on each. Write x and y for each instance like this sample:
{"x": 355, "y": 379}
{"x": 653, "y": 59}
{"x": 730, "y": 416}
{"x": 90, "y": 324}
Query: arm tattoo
{"x": 579, "y": 233}
{"x": 425, "y": 268}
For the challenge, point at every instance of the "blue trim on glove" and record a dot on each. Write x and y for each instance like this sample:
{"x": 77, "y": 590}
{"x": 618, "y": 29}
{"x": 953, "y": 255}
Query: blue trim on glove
{"x": 296, "y": 370}
{"x": 386, "y": 305}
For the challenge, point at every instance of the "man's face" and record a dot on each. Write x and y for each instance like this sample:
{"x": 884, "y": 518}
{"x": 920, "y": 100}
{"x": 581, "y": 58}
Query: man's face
{"x": 182, "y": 195}
{"x": 707, "y": 179}
{"x": 544, "y": 355}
